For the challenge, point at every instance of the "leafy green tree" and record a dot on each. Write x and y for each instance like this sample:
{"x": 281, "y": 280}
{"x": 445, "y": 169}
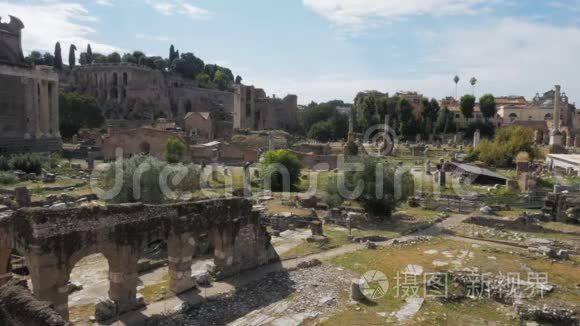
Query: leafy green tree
{"x": 114, "y": 57}
{"x": 36, "y": 58}
{"x": 204, "y": 81}
{"x": 322, "y": 131}
{"x": 72, "y": 60}
{"x": 409, "y": 124}
{"x": 57, "y": 56}
{"x": 238, "y": 80}
{"x": 100, "y": 58}
{"x": 174, "y": 149}
{"x": 279, "y": 165}
{"x": 467, "y": 105}
{"x": 139, "y": 55}
{"x": 507, "y": 143}
{"x": 78, "y": 111}
{"x": 445, "y": 122}
{"x": 378, "y": 180}
{"x": 48, "y": 59}
{"x": 84, "y": 59}
{"x": 160, "y": 64}
{"x": 487, "y": 106}
{"x": 129, "y": 58}
{"x": 188, "y": 66}
{"x": 221, "y": 80}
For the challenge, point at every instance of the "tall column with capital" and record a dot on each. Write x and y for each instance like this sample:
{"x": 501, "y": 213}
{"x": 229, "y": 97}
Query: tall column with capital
{"x": 37, "y": 108}
{"x": 45, "y": 100}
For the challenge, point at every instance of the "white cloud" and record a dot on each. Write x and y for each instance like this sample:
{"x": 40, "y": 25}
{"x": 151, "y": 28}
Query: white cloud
{"x": 157, "y": 38}
{"x": 107, "y": 3}
{"x": 355, "y": 15}
{"x": 179, "y": 7}
{"x": 568, "y": 5}
{"x": 508, "y": 57}
{"x": 47, "y": 23}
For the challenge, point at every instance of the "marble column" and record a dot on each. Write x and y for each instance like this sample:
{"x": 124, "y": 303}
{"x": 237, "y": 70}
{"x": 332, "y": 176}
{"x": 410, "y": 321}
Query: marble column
{"x": 55, "y": 111}
{"x": 37, "y": 112}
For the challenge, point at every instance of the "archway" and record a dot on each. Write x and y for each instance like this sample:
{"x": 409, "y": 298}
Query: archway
{"x": 88, "y": 282}
{"x": 513, "y": 117}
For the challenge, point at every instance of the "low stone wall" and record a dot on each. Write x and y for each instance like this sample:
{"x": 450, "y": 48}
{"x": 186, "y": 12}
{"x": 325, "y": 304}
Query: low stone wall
{"x": 320, "y": 162}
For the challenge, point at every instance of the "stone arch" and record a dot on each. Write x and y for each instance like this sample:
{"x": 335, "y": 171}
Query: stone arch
{"x": 87, "y": 275}
{"x": 125, "y": 78}
{"x": 513, "y": 117}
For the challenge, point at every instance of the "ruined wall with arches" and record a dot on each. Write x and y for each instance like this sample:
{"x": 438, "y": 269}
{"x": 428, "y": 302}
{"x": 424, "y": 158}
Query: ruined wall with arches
{"x": 52, "y": 242}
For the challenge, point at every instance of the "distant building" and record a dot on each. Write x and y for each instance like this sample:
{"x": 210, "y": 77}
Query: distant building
{"x": 29, "y": 104}
{"x": 137, "y": 141}
{"x": 200, "y": 127}
{"x": 255, "y": 111}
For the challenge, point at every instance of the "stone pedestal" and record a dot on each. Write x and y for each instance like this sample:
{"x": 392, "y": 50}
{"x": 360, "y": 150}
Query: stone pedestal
{"x": 22, "y": 196}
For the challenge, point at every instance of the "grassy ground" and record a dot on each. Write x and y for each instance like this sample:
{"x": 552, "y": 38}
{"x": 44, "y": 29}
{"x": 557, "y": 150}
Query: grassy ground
{"x": 157, "y": 292}
{"x": 81, "y": 313}
{"x": 390, "y": 261}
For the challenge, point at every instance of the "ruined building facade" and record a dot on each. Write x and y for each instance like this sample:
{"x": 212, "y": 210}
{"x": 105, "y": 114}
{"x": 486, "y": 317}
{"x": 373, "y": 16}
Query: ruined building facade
{"x": 29, "y": 108}
{"x": 133, "y": 92}
{"x": 52, "y": 242}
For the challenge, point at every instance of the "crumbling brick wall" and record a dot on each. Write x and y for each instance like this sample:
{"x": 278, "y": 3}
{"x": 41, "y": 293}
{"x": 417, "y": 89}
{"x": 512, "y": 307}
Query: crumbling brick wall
{"x": 18, "y": 307}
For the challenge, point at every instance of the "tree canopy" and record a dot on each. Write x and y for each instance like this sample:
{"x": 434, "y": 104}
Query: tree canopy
{"x": 78, "y": 111}
{"x": 487, "y": 106}
{"x": 467, "y": 105}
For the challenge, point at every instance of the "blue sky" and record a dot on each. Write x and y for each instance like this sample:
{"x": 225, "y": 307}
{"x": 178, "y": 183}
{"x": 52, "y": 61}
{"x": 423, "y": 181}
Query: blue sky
{"x": 327, "y": 49}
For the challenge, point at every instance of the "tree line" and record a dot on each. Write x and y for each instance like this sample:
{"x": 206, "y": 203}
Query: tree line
{"x": 187, "y": 65}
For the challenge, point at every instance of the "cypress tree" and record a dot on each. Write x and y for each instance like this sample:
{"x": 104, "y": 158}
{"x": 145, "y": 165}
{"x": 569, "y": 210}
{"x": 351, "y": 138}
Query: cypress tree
{"x": 57, "y": 56}
{"x": 72, "y": 60}
{"x": 90, "y": 58}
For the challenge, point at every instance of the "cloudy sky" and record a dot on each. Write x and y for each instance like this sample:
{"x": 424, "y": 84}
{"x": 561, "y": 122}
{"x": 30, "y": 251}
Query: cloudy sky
{"x": 331, "y": 49}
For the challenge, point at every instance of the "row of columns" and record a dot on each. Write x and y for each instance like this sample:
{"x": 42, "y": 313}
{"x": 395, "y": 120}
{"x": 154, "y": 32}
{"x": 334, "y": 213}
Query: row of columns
{"x": 43, "y": 109}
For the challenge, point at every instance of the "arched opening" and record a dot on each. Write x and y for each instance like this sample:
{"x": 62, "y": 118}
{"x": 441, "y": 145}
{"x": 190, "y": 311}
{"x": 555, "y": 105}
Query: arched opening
{"x": 145, "y": 147}
{"x": 115, "y": 79}
{"x": 188, "y": 106}
{"x": 88, "y": 282}
{"x": 153, "y": 283}
{"x": 513, "y": 117}
{"x": 125, "y": 79}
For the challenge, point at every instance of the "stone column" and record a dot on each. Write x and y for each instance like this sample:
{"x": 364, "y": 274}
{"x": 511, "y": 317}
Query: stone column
{"x": 55, "y": 125}
{"x": 180, "y": 249}
{"x": 123, "y": 277}
{"x": 476, "y": 138}
{"x": 557, "y": 108}
{"x": 45, "y": 109}
{"x": 49, "y": 280}
{"x": 37, "y": 108}
{"x": 5, "y": 276}
{"x": 223, "y": 241}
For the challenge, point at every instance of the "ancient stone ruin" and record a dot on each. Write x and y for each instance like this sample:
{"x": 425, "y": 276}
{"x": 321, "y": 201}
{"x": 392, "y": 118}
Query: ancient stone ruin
{"x": 52, "y": 242}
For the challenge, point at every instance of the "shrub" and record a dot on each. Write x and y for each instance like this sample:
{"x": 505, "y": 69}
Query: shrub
{"x": 174, "y": 149}
{"x": 53, "y": 161}
{"x": 373, "y": 172}
{"x": 5, "y": 164}
{"x": 273, "y": 166}
{"x": 29, "y": 163}
{"x": 144, "y": 172}
{"x": 7, "y": 178}
{"x": 506, "y": 145}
